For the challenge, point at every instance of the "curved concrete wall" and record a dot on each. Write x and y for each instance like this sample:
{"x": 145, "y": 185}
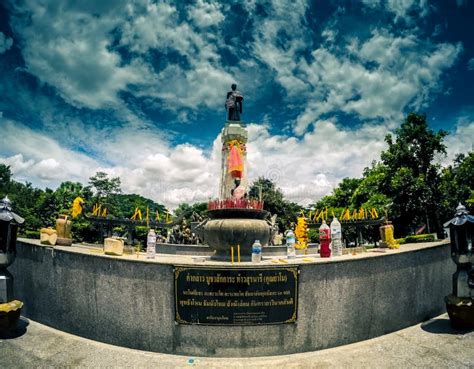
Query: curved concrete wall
{"x": 130, "y": 303}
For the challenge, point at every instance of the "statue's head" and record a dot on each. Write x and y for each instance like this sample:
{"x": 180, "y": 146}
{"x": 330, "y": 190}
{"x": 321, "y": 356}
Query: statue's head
{"x": 234, "y": 86}
{"x": 237, "y": 181}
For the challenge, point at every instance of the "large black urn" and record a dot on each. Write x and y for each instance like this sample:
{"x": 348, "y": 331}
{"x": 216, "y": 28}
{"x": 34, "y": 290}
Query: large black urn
{"x": 233, "y": 227}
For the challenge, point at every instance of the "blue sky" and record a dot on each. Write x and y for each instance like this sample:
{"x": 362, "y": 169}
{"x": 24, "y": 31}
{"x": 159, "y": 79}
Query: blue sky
{"x": 137, "y": 89}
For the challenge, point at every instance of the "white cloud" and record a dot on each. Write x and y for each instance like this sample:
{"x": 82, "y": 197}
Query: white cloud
{"x": 206, "y": 13}
{"x": 202, "y": 81}
{"x": 70, "y": 49}
{"x": 278, "y": 40}
{"x": 309, "y": 167}
{"x": 401, "y": 9}
{"x": 306, "y": 168}
{"x": 36, "y": 157}
{"x": 174, "y": 57}
{"x": 374, "y": 78}
{"x": 74, "y": 49}
{"x": 460, "y": 140}
{"x": 17, "y": 163}
{"x": 378, "y": 80}
{"x": 5, "y": 43}
{"x": 470, "y": 64}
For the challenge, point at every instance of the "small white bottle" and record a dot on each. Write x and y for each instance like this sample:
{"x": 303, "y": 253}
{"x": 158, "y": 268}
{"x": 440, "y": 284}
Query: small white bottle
{"x": 256, "y": 252}
{"x": 290, "y": 244}
{"x": 151, "y": 244}
{"x": 336, "y": 236}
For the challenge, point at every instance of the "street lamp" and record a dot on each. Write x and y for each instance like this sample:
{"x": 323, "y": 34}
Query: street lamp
{"x": 460, "y": 305}
{"x": 9, "y": 222}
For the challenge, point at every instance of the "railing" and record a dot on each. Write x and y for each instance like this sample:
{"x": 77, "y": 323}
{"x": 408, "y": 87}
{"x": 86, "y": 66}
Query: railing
{"x": 235, "y": 204}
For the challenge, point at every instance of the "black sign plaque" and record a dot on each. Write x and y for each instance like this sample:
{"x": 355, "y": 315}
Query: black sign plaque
{"x": 218, "y": 296}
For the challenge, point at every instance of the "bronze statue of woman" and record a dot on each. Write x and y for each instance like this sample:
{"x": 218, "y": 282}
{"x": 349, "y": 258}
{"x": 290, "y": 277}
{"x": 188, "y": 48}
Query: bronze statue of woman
{"x": 233, "y": 104}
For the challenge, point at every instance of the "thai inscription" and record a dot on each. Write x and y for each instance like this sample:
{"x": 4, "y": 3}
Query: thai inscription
{"x": 216, "y": 296}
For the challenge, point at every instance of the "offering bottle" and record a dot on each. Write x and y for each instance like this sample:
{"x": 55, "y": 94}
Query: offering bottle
{"x": 256, "y": 252}
{"x": 151, "y": 244}
{"x": 336, "y": 237}
{"x": 290, "y": 244}
{"x": 324, "y": 240}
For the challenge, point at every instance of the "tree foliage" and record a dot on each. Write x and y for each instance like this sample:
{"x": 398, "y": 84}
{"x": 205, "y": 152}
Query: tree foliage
{"x": 457, "y": 185}
{"x": 40, "y": 208}
{"x": 275, "y": 202}
{"x": 408, "y": 182}
{"x": 412, "y": 181}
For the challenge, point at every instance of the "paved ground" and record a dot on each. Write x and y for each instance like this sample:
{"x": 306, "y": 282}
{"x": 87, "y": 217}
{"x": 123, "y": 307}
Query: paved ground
{"x": 433, "y": 344}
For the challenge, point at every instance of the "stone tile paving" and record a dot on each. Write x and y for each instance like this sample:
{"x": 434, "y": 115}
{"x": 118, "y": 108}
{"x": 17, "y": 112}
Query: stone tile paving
{"x": 433, "y": 344}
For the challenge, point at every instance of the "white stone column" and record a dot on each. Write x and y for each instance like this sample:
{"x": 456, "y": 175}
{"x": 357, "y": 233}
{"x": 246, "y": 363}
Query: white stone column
{"x": 232, "y": 131}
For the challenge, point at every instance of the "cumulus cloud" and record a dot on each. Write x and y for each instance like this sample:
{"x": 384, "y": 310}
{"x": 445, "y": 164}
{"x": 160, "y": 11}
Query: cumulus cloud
{"x": 279, "y": 39}
{"x": 460, "y": 140}
{"x": 200, "y": 81}
{"x": 179, "y": 59}
{"x": 379, "y": 78}
{"x": 171, "y": 56}
{"x": 206, "y": 13}
{"x": 401, "y": 9}
{"x": 306, "y": 168}
{"x": 78, "y": 52}
{"x": 470, "y": 64}
{"x": 70, "y": 49}
{"x": 309, "y": 167}
{"x": 145, "y": 163}
{"x": 5, "y": 43}
{"x": 34, "y": 156}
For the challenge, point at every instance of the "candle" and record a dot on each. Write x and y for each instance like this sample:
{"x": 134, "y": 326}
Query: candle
{"x": 238, "y": 253}
{"x": 232, "y": 254}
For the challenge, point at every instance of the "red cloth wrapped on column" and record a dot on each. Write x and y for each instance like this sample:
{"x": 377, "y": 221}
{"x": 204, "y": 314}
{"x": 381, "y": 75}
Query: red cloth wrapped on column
{"x": 236, "y": 164}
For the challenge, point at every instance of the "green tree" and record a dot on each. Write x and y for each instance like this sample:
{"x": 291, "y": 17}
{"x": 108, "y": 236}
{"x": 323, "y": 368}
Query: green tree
{"x": 105, "y": 190}
{"x": 103, "y": 186}
{"x": 198, "y": 208}
{"x": 341, "y": 196}
{"x": 411, "y": 179}
{"x": 5, "y": 179}
{"x": 274, "y": 202}
{"x": 25, "y": 199}
{"x": 126, "y": 204}
{"x": 369, "y": 192}
{"x": 457, "y": 185}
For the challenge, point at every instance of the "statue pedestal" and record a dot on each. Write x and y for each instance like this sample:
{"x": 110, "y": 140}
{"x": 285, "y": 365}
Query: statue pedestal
{"x": 234, "y": 130}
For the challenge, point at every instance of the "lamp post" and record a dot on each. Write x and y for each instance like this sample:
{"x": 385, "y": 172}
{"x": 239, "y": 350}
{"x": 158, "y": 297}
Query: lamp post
{"x": 460, "y": 304}
{"x": 9, "y": 223}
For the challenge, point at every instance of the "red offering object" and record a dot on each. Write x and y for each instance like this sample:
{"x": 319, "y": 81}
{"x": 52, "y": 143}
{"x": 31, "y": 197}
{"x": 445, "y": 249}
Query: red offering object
{"x": 235, "y": 204}
{"x": 236, "y": 165}
{"x": 324, "y": 240}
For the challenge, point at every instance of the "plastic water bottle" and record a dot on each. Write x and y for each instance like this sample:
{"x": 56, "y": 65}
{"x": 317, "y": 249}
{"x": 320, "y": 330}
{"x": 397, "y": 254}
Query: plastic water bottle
{"x": 290, "y": 244}
{"x": 336, "y": 236}
{"x": 151, "y": 244}
{"x": 256, "y": 252}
